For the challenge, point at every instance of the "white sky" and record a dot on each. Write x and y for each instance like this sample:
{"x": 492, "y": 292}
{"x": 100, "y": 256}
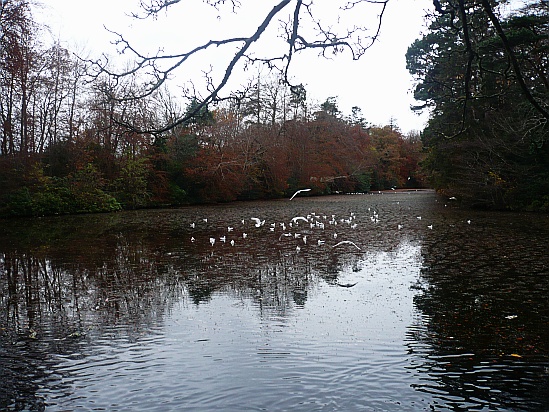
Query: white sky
{"x": 378, "y": 83}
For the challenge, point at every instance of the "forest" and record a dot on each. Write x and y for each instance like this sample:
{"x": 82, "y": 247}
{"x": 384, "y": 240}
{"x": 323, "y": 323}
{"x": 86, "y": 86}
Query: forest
{"x": 74, "y": 139}
{"x": 66, "y": 145}
{"x": 484, "y": 77}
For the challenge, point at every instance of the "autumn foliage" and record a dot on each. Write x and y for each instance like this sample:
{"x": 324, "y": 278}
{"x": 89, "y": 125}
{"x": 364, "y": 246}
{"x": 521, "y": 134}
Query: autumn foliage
{"x": 66, "y": 144}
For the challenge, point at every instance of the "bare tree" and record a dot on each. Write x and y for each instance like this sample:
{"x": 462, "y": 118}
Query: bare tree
{"x": 301, "y": 27}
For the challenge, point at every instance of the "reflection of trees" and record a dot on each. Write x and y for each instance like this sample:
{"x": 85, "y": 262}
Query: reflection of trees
{"x": 485, "y": 316}
{"x": 66, "y": 282}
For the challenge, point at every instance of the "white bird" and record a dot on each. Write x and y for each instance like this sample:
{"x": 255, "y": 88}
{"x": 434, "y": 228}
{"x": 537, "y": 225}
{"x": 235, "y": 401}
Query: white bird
{"x": 232, "y": 242}
{"x": 297, "y": 249}
{"x": 229, "y": 229}
{"x": 430, "y": 227}
{"x": 258, "y": 222}
{"x": 295, "y": 219}
{"x": 223, "y": 239}
{"x": 299, "y": 191}
{"x": 192, "y": 225}
{"x": 212, "y": 241}
{"x": 320, "y": 242}
{"x": 244, "y": 235}
{"x": 205, "y": 220}
{"x": 346, "y": 242}
{"x": 399, "y": 227}
{"x": 469, "y": 222}
{"x": 419, "y": 218}
{"x": 335, "y": 235}
{"x": 192, "y": 239}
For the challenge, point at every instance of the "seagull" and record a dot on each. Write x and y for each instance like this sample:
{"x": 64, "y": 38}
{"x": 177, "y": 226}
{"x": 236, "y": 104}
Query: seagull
{"x": 193, "y": 225}
{"x": 258, "y": 222}
{"x": 232, "y": 242}
{"x": 430, "y": 227}
{"x": 295, "y": 219}
{"x": 344, "y": 242}
{"x": 212, "y": 240}
{"x": 299, "y": 191}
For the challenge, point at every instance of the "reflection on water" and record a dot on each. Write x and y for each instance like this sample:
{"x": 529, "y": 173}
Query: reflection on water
{"x": 199, "y": 309}
{"x": 483, "y": 337}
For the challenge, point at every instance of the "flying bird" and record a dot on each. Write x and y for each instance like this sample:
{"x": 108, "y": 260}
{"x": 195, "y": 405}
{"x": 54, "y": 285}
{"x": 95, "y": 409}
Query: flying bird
{"x": 346, "y": 242}
{"x": 299, "y": 191}
{"x": 295, "y": 219}
{"x": 258, "y": 222}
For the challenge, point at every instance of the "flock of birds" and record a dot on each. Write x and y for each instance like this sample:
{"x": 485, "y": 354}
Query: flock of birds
{"x": 299, "y": 228}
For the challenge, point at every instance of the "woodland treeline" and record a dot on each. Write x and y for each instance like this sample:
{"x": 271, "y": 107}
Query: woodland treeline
{"x": 76, "y": 137}
{"x": 66, "y": 145}
{"x": 483, "y": 74}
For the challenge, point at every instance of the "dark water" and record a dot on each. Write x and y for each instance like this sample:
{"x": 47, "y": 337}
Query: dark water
{"x": 126, "y": 312}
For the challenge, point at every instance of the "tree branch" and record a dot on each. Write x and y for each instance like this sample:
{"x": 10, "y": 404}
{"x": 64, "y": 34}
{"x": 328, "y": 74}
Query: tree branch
{"x": 300, "y": 36}
{"x": 514, "y": 62}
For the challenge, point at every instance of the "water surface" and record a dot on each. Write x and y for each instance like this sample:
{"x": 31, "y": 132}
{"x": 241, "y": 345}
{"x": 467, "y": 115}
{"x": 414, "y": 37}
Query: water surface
{"x": 422, "y": 307}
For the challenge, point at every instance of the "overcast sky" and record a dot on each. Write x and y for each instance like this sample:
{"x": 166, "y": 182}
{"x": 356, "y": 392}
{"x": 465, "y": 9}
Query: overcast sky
{"x": 378, "y": 83}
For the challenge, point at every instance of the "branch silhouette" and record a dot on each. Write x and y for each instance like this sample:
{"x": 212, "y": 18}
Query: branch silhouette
{"x": 303, "y": 30}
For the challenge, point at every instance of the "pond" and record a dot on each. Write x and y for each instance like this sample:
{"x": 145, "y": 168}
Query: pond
{"x": 396, "y": 301}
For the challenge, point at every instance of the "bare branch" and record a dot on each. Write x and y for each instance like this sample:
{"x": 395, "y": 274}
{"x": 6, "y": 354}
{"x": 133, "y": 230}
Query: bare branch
{"x": 303, "y": 30}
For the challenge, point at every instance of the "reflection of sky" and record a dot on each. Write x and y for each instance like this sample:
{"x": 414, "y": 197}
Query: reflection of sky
{"x": 343, "y": 348}
{"x": 274, "y": 329}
